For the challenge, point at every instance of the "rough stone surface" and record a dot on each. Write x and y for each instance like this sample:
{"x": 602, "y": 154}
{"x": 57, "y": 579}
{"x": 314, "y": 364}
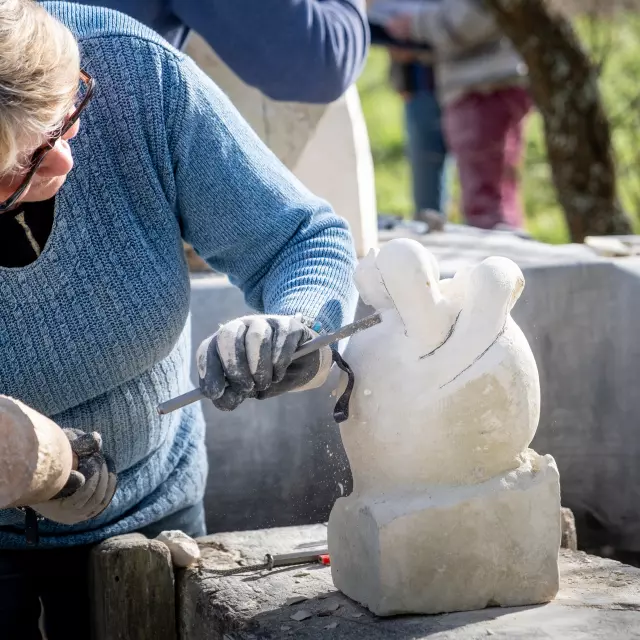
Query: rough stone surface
{"x": 579, "y": 314}
{"x": 599, "y": 600}
{"x": 569, "y": 532}
{"x": 132, "y": 590}
{"x": 337, "y": 165}
{"x": 452, "y": 549}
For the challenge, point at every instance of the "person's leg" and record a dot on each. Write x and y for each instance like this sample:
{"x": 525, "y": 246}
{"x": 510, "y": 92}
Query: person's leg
{"x": 19, "y": 602}
{"x": 426, "y": 151}
{"x": 479, "y": 159}
{"x": 518, "y": 104}
{"x": 478, "y": 128}
{"x": 62, "y": 576}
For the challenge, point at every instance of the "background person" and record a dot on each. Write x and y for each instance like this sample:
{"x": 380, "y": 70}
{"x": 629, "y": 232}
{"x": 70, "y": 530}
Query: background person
{"x": 426, "y": 148}
{"x": 481, "y": 84}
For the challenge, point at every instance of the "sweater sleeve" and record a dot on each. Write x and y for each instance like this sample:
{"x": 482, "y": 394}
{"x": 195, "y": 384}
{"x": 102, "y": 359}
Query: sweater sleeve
{"x": 453, "y": 26}
{"x": 248, "y": 217}
{"x": 296, "y": 50}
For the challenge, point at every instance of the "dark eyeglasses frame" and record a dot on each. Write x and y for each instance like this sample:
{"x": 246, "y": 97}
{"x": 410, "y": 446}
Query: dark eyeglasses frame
{"x": 40, "y": 153}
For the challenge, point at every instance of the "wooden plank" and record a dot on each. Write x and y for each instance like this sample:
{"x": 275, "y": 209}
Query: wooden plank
{"x": 133, "y": 590}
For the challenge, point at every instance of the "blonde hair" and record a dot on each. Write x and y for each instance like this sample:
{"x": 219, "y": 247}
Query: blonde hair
{"x": 39, "y": 74}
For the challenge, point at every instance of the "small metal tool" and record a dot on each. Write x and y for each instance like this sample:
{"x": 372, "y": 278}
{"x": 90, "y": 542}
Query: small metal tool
{"x": 317, "y": 556}
{"x": 320, "y": 556}
{"x": 308, "y": 347}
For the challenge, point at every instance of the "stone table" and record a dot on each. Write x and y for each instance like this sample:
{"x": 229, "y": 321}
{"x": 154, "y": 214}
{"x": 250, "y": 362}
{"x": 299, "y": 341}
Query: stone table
{"x": 599, "y": 599}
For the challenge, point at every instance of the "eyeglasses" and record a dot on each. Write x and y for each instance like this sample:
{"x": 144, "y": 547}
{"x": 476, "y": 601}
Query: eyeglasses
{"x": 85, "y": 93}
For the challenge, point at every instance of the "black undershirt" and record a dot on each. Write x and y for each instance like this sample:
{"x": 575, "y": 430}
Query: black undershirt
{"x": 24, "y": 232}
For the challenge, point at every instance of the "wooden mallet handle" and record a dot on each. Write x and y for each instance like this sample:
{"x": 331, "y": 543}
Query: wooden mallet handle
{"x": 35, "y": 455}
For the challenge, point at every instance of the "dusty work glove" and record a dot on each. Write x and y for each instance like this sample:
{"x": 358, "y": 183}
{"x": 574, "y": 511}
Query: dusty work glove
{"x": 90, "y": 489}
{"x": 251, "y": 357}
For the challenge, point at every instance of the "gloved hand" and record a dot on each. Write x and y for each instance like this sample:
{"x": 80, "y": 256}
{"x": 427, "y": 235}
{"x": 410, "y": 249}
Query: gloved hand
{"x": 251, "y": 358}
{"x": 90, "y": 489}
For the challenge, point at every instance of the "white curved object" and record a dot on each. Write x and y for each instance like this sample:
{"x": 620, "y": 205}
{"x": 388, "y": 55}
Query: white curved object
{"x": 450, "y": 510}
{"x": 183, "y": 548}
{"x": 35, "y": 455}
{"x": 336, "y": 164}
{"x": 325, "y": 146}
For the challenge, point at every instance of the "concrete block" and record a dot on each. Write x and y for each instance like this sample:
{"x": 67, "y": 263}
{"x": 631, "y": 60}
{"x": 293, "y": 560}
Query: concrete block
{"x": 599, "y": 599}
{"x": 132, "y": 590}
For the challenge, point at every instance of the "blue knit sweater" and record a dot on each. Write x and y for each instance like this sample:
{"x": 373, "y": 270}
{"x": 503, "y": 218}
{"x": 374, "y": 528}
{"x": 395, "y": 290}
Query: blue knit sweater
{"x": 93, "y": 332}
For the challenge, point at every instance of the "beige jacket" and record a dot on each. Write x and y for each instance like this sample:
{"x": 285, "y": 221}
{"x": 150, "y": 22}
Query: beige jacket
{"x": 471, "y": 54}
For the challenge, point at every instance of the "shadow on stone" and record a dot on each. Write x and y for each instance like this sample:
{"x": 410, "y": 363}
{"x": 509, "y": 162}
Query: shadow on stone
{"x": 332, "y": 611}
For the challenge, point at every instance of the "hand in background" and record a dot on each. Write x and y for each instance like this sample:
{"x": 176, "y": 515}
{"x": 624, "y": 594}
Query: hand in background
{"x": 400, "y": 27}
{"x": 403, "y": 56}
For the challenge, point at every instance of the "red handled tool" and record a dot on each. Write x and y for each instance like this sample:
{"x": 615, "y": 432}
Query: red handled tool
{"x": 320, "y": 556}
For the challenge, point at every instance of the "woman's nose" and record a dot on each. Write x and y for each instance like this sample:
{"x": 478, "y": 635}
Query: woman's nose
{"x": 73, "y": 131}
{"x": 59, "y": 161}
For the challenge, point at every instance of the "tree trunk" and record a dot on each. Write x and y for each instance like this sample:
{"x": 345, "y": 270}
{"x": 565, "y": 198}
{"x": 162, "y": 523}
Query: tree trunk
{"x": 564, "y": 86}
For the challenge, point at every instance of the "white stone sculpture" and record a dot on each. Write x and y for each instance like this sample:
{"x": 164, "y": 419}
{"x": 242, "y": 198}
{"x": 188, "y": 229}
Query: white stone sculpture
{"x": 450, "y": 509}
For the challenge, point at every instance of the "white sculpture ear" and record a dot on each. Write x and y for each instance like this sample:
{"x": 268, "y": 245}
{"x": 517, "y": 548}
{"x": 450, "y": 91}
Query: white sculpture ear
{"x": 493, "y": 288}
{"x": 410, "y": 275}
{"x": 369, "y": 282}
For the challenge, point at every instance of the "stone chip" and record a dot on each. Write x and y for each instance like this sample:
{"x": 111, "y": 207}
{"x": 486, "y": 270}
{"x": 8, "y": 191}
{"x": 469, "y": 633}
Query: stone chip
{"x": 301, "y": 615}
{"x": 184, "y": 549}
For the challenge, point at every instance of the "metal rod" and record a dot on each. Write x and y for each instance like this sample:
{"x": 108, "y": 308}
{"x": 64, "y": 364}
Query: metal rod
{"x": 308, "y": 347}
{"x": 180, "y": 401}
{"x": 288, "y": 559}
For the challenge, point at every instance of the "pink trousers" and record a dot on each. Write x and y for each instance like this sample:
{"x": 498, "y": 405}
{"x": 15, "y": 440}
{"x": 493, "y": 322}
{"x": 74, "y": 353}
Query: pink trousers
{"x": 484, "y": 132}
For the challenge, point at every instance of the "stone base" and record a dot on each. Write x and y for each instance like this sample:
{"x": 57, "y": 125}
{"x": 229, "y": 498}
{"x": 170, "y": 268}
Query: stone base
{"x": 453, "y": 548}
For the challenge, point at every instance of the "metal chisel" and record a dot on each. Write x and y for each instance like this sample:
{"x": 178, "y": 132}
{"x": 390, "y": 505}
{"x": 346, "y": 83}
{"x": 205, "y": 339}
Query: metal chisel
{"x": 308, "y": 347}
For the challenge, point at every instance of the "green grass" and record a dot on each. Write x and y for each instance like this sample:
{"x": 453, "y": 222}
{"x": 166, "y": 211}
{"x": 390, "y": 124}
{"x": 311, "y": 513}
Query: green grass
{"x": 616, "y": 42}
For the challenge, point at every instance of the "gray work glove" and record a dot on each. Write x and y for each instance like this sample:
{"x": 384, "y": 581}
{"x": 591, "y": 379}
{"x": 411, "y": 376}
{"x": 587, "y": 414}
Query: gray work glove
{"x": 90, "y": 489}
{"x": 251, "y": 358}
